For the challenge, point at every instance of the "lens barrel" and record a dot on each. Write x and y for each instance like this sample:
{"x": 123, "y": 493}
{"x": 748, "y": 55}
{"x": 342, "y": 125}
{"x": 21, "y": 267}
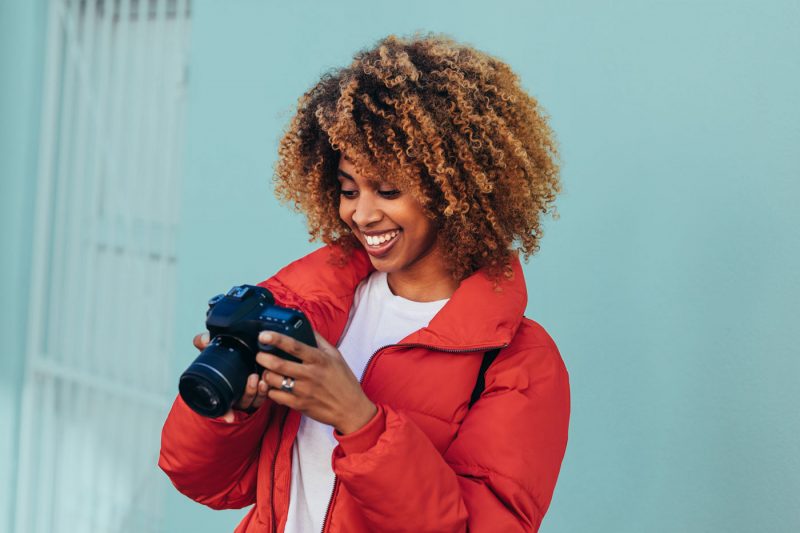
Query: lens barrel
{"x": 217, "y": 378}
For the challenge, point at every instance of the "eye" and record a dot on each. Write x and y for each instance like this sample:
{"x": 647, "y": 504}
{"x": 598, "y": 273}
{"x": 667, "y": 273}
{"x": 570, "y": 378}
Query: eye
{"x": 348, "y": 194}
{"x": 390, "y": 194}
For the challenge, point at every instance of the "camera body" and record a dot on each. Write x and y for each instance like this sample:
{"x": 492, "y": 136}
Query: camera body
{"x": 217, "y": 378}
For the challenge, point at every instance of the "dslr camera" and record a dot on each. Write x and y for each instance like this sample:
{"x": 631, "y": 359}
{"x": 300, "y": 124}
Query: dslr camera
{"x": 217, "y": 378}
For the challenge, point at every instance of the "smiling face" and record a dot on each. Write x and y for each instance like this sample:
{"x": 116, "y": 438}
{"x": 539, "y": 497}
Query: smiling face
{"x": 390, "y": 224}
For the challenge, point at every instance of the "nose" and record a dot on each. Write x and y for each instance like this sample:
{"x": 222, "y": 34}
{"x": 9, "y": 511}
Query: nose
{"x": 366, "y": 210}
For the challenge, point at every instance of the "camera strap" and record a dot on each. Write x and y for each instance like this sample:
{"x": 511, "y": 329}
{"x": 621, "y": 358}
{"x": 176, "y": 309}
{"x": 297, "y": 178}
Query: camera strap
{"x": 488, "y": 358}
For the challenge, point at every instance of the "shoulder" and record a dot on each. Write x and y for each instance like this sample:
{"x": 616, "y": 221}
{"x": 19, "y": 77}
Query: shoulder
{"x": 321, "y": 273}
{"x": 319, "y": 261}
{"x": 532, "y": 360}
{"x": 526, "y": 402}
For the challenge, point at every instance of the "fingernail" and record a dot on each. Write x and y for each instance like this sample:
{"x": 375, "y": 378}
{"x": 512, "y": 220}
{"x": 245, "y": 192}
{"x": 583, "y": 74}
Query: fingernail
{"x": 265, "y": 337}
{"x": 205, "y": 338}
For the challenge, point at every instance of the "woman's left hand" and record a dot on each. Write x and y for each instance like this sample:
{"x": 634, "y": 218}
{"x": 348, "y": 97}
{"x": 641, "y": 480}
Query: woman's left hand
{"x": 325, "y": 388}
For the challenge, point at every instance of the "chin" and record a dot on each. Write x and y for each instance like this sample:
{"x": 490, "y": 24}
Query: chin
{"x": 383, "y": 265}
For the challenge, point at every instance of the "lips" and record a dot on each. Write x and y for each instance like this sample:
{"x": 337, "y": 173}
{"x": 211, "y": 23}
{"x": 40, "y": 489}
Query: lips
{"x": 383, "y": 248}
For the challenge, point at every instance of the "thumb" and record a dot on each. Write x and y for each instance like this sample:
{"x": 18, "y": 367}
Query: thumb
{"x": 324, "y": 345}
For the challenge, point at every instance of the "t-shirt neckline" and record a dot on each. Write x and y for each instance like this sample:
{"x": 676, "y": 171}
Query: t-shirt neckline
{"x": 405, "y": 303}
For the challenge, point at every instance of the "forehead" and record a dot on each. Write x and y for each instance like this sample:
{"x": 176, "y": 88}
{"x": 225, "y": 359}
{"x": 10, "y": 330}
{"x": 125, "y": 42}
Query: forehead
{"x": 407, "y": 179}
{"x": 347, "y": 166}
{"x": 347, "y": 170}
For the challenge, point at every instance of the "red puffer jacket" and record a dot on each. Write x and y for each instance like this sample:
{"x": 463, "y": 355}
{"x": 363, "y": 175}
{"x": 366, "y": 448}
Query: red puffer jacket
{"x": 425, "y": 462}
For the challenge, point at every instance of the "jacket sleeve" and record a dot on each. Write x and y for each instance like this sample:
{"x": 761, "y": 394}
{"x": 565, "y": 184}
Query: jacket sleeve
{"x": 498, "y": 474}
{"x": 210, "y": 460}
{"x": 215, "y": 462}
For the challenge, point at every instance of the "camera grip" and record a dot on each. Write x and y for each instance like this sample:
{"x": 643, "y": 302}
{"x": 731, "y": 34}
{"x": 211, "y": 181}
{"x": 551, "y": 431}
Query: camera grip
{"x": 296, "y": 326}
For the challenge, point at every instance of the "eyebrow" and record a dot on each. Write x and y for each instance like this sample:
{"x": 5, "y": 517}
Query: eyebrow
{"x": 345, "y": 174}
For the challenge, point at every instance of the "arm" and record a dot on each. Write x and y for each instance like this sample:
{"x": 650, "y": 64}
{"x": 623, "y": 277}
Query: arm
{"x": 184, "y": 451}
{"x": 212, "y": 461}
{"x": 498, "y": 474}
{"x": 215, "y": 461}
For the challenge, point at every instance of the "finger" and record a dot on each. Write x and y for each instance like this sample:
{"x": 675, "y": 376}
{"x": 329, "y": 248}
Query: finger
{"x": 201, "y": 340}
{"x": 261, "y": 395}
{"x": 275, "y": 382}
{"x": 277, "y": 365}
{"x": 249, "y": 392}
{"x": 290, "y": 345}
{"x": 284, "y": 398}
{"x": 323, "y": 344}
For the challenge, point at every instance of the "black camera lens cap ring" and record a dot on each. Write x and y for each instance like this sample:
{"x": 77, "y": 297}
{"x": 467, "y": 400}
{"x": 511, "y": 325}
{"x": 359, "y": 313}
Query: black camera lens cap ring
{"x": 217, "y": 372}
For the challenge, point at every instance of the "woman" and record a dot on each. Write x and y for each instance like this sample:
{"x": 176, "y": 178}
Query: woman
{"x": 425, "y": 169}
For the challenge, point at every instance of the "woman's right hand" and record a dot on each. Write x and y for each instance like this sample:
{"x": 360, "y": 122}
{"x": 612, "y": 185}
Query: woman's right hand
{"x": 255, "y": 391}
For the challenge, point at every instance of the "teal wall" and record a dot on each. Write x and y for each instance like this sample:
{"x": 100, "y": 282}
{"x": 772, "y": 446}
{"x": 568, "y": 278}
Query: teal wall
{"x": 21, "y": 57}
{"x": 671, "y": 282}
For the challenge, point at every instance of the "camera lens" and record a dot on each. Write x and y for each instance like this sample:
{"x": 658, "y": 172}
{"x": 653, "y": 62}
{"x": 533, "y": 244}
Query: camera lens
{"x": 216, "y": 379}
{"x": 200, "y": 395}
{"x": 207, "y": 396}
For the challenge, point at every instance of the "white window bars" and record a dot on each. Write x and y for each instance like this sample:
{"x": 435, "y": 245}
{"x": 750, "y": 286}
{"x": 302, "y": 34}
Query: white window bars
{"x": 102, "y": 304}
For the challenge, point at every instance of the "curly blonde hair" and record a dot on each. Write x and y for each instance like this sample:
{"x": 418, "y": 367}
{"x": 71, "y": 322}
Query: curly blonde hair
{"x": 441, "y": 120}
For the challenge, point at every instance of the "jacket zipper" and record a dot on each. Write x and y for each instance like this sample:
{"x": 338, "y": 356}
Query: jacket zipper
{"x": 361, "y": 381}
{"x": 272, "y": 472}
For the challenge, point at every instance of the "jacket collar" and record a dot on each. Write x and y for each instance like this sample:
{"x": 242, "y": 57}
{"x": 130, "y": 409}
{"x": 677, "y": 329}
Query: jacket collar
{"x": 477, "y": 316}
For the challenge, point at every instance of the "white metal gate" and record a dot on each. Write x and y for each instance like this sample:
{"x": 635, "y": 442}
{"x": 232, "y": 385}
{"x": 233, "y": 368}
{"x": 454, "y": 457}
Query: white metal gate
{"x": 104, "y": 257}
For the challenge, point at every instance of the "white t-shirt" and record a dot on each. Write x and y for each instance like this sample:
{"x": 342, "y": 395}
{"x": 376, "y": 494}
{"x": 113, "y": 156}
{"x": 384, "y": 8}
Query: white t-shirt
{"x": 377, "y": 318}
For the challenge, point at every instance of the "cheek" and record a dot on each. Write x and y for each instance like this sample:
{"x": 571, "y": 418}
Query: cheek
{"x": 427, "y": 231}
{"x": 344, "y": 213}
{"x": 415, "y": 217}
{"x": 430, "y": 235}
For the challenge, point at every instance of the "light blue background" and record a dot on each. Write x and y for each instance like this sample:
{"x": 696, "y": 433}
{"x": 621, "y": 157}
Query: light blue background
{"x": 670, "y": 283}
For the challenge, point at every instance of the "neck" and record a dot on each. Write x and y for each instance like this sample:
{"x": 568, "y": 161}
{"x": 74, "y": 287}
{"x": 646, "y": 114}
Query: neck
{"x": 423, "y": 282}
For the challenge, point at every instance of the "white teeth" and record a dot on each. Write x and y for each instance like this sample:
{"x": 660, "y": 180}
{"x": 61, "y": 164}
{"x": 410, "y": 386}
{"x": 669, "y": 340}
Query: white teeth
{"x": 380, "y": 239}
